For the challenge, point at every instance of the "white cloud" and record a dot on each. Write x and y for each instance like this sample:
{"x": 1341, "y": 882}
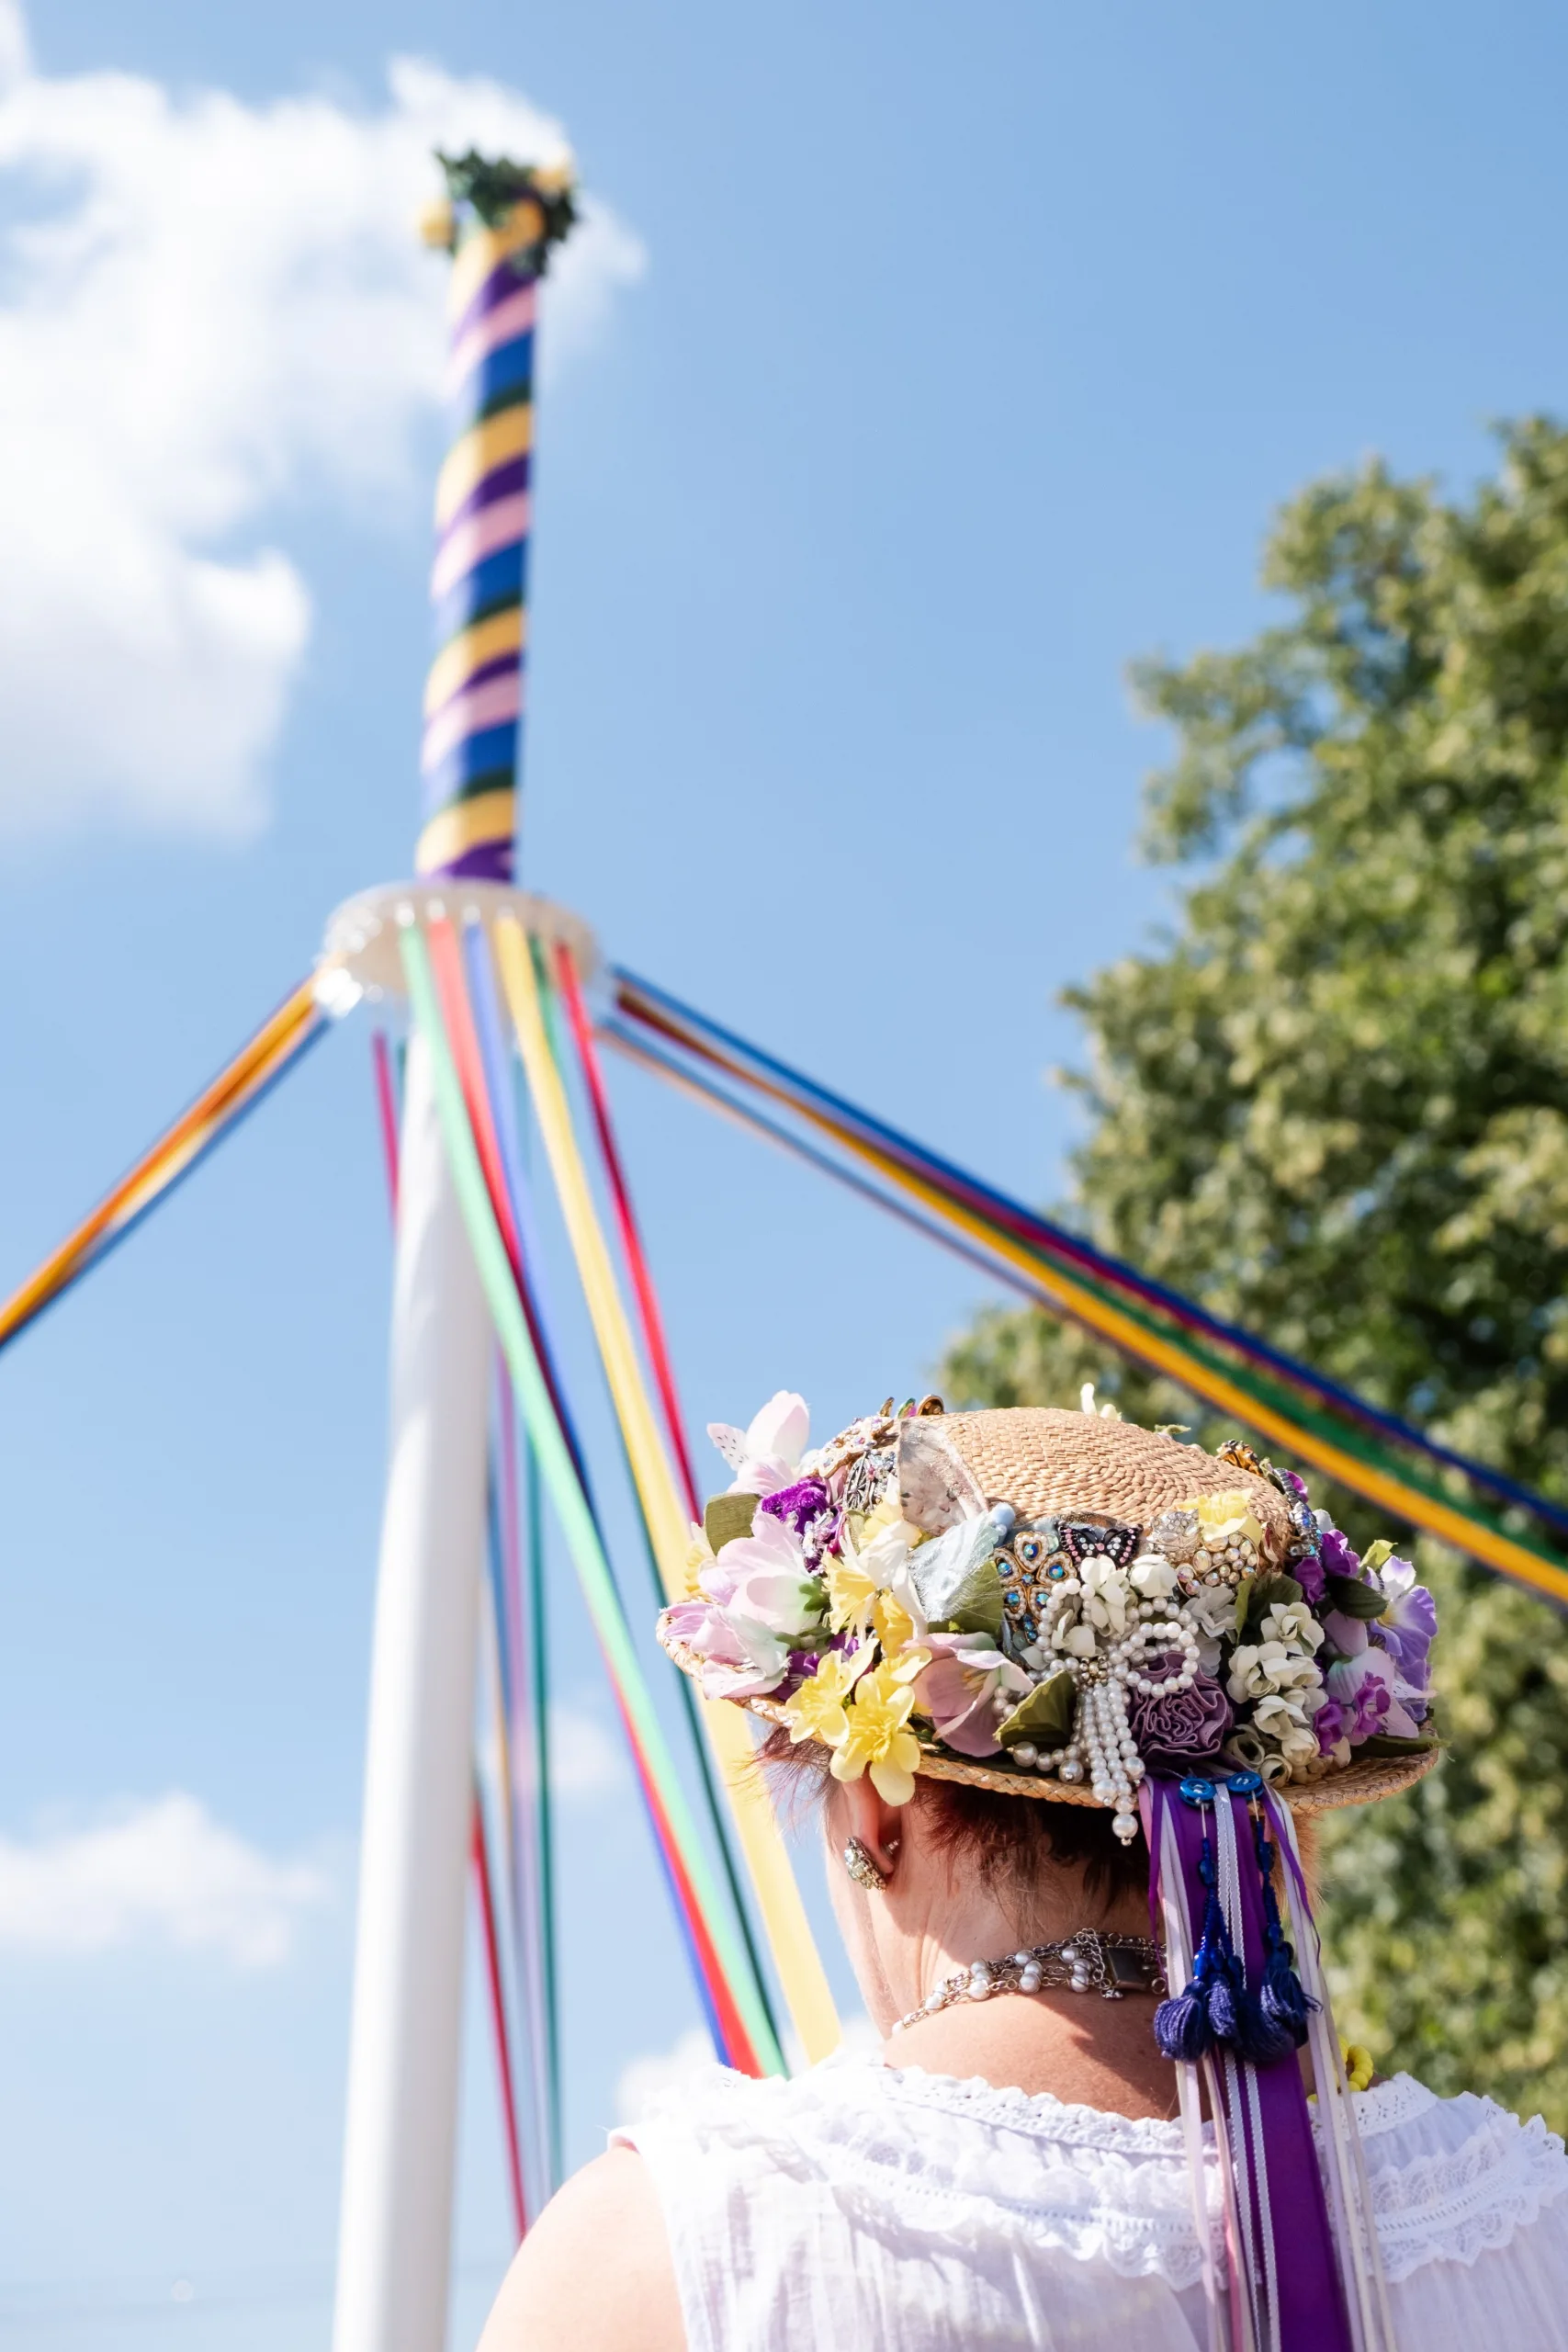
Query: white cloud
{"x": 585, "y": 1761}
{"x": 206, "y": 306}
{"x": 163, "y": 1872}
{"x": 588, "y": 1762}
{"x": 644, "y": 2083}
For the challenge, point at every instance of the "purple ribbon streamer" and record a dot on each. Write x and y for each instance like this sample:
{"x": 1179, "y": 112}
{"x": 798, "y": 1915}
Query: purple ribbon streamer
{"x": 1312, "y": 2310}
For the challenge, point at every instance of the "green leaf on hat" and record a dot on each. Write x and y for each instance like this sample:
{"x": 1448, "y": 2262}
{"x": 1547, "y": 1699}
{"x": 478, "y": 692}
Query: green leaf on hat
{"x": 1353, "y": 1598}
{"x": 1045, "y": 1716}
{"x": 727, "y": 1516}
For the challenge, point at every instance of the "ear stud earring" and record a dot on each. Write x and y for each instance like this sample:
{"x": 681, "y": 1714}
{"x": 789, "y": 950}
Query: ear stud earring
{"x": 862, "y": 1868}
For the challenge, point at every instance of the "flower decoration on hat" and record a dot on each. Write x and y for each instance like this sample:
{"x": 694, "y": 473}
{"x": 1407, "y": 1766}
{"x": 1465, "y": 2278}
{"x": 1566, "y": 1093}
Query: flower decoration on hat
{"x": 870, "y": 1595}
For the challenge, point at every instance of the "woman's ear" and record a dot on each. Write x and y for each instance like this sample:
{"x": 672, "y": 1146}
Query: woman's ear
{"x": 878, "y": 1825}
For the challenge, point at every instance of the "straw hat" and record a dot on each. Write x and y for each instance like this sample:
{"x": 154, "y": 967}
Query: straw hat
{"x": 1167, "y": 1535}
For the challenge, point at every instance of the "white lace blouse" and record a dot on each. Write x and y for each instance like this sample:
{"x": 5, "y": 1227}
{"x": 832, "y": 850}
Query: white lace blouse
{"x": 886, "y": 2210}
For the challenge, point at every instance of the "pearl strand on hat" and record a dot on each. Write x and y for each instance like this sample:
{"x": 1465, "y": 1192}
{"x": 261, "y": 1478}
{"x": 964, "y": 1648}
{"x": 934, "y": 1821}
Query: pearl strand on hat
{"x": 1103, "y": 1745}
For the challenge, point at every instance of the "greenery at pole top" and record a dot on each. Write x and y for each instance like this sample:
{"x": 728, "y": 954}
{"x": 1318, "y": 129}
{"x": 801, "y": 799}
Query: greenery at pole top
{"x": 1333, "y": 1101}
{"x": 491, "y": 187}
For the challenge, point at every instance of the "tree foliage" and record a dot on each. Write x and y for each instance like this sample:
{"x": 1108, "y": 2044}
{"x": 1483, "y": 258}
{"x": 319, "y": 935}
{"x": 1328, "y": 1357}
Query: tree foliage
{"x": 1332, "y": 1103}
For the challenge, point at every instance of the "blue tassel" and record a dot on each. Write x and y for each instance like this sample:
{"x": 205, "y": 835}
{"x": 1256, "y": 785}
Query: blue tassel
{"x": 1262, "y": 2023}
{"x": 1259, "y": 2037}
{"x": 1181, "y": 2026}
{"x": 1281, "y": 1996}
{"x": 1282, "y": 2004}
{"x": 1224, "y": 2005}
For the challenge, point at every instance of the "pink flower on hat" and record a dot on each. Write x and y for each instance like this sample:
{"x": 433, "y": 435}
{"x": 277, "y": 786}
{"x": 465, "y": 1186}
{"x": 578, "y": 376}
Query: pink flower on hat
{"x": 766, "y": 1454}
{"x": 960, "y": 1687}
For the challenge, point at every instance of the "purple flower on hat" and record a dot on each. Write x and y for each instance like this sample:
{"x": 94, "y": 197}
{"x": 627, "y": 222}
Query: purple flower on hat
{"x": 1333, "y": 1723}
{"x": 1308, "y": 1573}
{"x": 1178, "y": 1728}
{"x": 807, "y": 1508}
{"x": 1409, "y": 1623}
{"x": 1336, "y": 1556}
{"x": 797, "y": 1505}
{"x": 1369, "y": 1687}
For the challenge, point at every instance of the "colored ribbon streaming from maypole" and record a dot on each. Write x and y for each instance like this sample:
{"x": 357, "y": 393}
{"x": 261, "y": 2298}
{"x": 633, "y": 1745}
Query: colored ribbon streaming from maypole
{"x": 744, "y": 1802}
{"x": 742, "y": 2028}
{"x": 724, "y": 1727}
{"x": 655, "y": 1343}
{"x": 481, "y": 1842}
{"x": 499, "y": 222}
{"x": 239, "y": 1086}
{"x": 1255, "y": 1384}
{"x": 482, "y": 1014}
{"x": 471, "y": 1036}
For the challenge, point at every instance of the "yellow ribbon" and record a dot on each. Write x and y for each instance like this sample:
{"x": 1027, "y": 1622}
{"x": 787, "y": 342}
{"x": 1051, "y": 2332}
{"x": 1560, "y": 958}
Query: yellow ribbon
{"x": 783, "y": 1915}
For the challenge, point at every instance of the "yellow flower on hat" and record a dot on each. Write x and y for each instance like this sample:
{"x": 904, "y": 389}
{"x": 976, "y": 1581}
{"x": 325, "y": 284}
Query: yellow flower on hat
{"x": 1226, "y": 1518}
{"x": 879, "y": 1739}
{"x": 699, "y": 1555}
{"x": 868, "y": 1585}
{"x": 898, "y": 1633}
{"x": 817, "y": 1708}
{"x": 851, "y": 1594}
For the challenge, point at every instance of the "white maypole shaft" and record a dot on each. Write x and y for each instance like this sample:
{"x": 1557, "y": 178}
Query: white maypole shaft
{"x": 395, "y": 2227}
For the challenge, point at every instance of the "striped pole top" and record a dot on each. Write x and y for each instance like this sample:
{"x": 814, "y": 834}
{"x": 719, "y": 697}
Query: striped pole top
{"x": 499, "y": 222}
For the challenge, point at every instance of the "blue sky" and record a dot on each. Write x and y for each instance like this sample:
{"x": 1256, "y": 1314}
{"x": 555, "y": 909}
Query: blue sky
{"x": 922, "y": 367}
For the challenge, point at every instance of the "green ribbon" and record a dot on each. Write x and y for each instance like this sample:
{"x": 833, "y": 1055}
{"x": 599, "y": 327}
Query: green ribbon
{"x": 564, "y": 1488}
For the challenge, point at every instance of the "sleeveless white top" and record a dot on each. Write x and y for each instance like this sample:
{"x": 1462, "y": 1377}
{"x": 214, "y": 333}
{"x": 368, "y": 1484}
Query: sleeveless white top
{"x": 892, "y": 2210}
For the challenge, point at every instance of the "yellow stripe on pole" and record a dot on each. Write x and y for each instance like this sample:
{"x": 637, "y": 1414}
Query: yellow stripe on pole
{"x": 494, "y": 442}
{"x": 783, "y": 1915}
{"x": 470, "y": 650}
{"x": 484, "y": 248}
{"x": 486, "y": 816}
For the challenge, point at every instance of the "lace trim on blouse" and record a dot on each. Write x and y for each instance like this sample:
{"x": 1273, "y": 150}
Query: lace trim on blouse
{"x": 1450, "y": 2180}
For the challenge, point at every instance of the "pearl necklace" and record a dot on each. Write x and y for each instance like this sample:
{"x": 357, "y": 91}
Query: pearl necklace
{"x": 1087, "y": 1963}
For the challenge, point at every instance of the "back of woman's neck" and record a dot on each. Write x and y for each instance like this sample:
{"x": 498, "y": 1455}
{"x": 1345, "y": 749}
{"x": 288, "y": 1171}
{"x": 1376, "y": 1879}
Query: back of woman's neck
{"x": 1083, "y": 2049}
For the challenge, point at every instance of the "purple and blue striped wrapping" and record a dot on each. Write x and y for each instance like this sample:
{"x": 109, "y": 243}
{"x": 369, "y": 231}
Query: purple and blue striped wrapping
{"x": 473, "y": 701}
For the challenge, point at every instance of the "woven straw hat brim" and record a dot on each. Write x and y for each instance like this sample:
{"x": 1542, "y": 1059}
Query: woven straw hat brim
{"x": 1360, "y": 1783}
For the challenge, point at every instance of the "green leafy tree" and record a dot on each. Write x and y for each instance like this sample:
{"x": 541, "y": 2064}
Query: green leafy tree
{"x": 1332, "y": 1103}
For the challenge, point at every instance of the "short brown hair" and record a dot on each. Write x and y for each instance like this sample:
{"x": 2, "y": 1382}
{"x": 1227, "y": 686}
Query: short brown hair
{"x": 1009, "y": 1840}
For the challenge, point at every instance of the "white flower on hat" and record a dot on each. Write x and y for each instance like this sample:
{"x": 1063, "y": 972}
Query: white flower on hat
{"x": 1286, "y": 1726}
{"x": 1260, "y": 1669}
{"x": 1211, "y": 1613}
{"x": 1077, "y": 1641}
{"x": 1107, "y": 1596}
{"x": 766, "y": 1456}
{"x": 1153, "y": 1576}
{"x": 1293, "y": 1623}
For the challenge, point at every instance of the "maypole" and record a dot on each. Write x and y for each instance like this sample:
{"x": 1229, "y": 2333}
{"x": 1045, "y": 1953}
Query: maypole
{"x": 499, "y": 223}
